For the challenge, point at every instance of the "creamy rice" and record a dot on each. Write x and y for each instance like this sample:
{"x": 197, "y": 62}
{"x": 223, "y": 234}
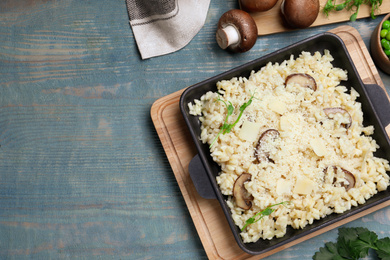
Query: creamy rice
{"x": 309, "y": 142}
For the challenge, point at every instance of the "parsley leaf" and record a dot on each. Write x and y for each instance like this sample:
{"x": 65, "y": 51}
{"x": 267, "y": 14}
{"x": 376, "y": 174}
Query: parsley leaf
{"x": 354, "y": 243}
{"x": 383, "y": 246}
{"x": 347, "y": 242}
{"x": 359, "y": 248}
{"x": 369, "y": 237}
{"x": 329, "y": 252}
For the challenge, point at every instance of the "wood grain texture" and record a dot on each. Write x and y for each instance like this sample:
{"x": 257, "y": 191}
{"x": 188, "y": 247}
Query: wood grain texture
{"x": 207, "y": 215}
{"x": 83, "y": 174}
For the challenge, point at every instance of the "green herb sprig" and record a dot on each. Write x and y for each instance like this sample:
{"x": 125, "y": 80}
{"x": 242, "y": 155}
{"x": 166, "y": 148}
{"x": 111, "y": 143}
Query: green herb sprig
{"x": 352, "y": 5}
{"x": 354, "y": 243}
{"x": 266, "y": 212}
{"x": 226, "y": 128}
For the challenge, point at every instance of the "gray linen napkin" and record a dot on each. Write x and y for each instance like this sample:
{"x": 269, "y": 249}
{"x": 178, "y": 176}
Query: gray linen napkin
{"x": 165, "y": 26}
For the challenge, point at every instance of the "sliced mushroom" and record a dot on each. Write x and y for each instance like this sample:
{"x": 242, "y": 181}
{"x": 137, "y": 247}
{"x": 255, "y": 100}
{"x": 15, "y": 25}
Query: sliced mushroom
{"x": 334, "y": 110}
{"x": 237, "y": 31}
{"x": 348, "y": 176}
{"x": 257, "y": 5}
{"x": 300, "y": 13}
{"x": 241, "y": 195}
{"x": 266, "y": 137}
{"x": 302, "y": 79}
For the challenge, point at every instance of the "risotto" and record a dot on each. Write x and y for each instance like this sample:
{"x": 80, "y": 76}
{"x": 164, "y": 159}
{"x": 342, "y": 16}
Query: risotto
{"x": 300, "y": 140}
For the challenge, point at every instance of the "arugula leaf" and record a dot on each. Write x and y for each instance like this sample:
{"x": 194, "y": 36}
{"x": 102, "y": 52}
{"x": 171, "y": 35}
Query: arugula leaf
{"x": 226, "y": 128}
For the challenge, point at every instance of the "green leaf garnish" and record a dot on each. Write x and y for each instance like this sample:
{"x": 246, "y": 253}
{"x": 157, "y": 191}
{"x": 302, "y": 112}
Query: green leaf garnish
{"x": 354, "y": 243}
{"x": 383, "y": 246}
{"x": 352, "y": 5}
{"x": 226, "y": 128}
{"x": 266, "y": 212}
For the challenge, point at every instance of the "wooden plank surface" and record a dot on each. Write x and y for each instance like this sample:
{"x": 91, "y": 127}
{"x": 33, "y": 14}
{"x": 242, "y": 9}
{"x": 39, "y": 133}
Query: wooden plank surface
{"x": 207, "y": 215}
{"x": 271, "y": 21}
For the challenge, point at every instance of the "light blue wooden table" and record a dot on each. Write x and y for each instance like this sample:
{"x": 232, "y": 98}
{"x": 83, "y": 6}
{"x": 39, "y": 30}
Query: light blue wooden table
{"x": 83, "y": 174}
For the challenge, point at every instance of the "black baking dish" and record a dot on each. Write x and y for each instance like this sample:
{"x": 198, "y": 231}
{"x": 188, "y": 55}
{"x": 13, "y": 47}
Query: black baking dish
{"x": 375, "y": 106}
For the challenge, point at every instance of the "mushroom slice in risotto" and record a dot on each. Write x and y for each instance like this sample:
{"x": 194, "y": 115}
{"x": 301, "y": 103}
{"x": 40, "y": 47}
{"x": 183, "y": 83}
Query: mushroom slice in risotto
{"x": 241, "y": 195}
{"x": 302, "y": 79}
{"x": 334, "y": 110}
{"x": 262, "y": 151}
{"x": 349, "y": 178}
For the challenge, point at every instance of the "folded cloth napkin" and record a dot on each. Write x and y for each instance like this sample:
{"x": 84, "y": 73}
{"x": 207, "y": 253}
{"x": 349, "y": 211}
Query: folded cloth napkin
{"x": 165, "y": 26}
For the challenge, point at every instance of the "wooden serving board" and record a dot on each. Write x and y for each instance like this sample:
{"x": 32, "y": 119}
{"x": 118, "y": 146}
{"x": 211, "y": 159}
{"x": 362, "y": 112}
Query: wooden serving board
{"x": 271, "y": 21}
{"x": 207, "y": 215}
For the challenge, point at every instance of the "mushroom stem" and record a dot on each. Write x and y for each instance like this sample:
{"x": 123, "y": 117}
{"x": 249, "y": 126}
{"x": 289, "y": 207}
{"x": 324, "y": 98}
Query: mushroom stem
{"x": 282, "y": 7}
{"x": 227, "y": 36}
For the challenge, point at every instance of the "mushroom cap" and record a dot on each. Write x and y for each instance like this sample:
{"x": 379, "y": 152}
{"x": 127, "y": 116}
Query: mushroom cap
{"x": 300, "y": 13}
{"x": 245, "y": 26}
{"x": 257, "y": 5}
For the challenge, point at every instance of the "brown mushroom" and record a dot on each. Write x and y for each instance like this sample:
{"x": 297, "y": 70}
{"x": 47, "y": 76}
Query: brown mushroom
{"x": 266, "y": 137}
{"x": 257, "y": 5}
{"x": 348, "y": 176}
{"x": 241, "y": 195}
{"x": 300, "y": 13}
{"x": 334, "y": 110}
{"x": 303, "y": 79}
{"x": 237, "y": 31}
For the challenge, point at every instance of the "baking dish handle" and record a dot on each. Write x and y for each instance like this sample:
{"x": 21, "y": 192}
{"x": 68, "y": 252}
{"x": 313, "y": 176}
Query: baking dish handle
{"x": 380, "y": 102}
{"x": 200, "y": 179}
